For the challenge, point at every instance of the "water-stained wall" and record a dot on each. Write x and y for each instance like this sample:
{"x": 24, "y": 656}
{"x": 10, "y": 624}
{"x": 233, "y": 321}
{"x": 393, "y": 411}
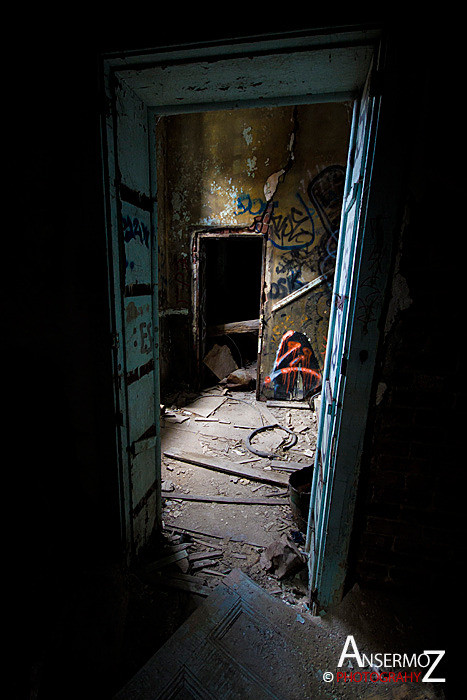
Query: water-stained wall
{"x": 277, "y": 170}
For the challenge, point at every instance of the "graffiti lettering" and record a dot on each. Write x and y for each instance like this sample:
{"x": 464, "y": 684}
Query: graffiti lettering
{"x": 247, "y": 205}
{"x": 285, "y": 285}
{"x": 134, "y": 229}
{"x": 326, "y": 192}
{"x": 143, "y": 339}
{"x": 295, "y": 230}
{"x": 295, "y": 361}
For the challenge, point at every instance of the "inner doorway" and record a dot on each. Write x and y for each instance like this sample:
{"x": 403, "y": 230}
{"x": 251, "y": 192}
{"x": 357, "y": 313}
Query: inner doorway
{"x": 229, "y": 279}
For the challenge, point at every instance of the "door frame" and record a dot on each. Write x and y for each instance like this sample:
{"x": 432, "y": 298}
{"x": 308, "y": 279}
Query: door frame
{"x": 320, "y": 66}
{"x": 197, "y": 328}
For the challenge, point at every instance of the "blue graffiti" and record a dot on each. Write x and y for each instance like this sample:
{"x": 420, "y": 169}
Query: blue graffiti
{"x": 247, "y": 205}
{"x": 134, "y": 229}
{"x": 286, "y": 285}
{"x": 294, "y": 231}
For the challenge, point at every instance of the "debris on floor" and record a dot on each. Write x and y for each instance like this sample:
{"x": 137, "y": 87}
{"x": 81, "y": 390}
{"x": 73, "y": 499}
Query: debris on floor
{"x": 283, "y": 558}
{"x": 226, "y": 463}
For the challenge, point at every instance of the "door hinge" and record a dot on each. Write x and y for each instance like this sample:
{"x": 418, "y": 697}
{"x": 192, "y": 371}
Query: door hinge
{"x": 115, "y": 341}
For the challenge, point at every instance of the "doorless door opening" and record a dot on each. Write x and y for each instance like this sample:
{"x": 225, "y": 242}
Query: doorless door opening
{"x": 228, "y": 278}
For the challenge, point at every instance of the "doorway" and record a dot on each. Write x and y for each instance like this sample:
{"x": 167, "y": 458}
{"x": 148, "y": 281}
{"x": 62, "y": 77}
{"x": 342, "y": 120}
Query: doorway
{"x": 302, "y": 64}
{"x": 228, "y": 280}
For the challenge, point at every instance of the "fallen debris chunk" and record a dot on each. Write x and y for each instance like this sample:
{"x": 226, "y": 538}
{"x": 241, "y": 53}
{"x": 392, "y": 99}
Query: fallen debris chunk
{"x": 220, "y": 361}
{"x": 240, "y": 379}
{"x": 282, "y": 558}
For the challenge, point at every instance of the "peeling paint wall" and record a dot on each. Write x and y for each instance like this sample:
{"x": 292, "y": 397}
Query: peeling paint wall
{"x": 278, "y": 169}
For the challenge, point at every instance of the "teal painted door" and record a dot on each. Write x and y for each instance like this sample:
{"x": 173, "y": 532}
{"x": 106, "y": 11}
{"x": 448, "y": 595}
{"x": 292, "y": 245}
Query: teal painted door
{"x": 327, "y": 504}
{"x": 134, "y": 292}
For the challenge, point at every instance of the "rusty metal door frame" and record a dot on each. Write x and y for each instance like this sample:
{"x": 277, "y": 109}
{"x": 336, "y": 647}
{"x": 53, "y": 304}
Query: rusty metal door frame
{"x": 199, "y": 326}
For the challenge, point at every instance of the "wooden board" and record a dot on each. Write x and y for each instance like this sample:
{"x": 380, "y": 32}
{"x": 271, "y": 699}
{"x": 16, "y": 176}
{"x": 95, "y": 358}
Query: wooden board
{"x": 174, "y": 495}
{"x": 239, "y": 643}
{"x": 251, "y": 326}
{"x": 205, "y": 405}
{"x": 228, "y": 468}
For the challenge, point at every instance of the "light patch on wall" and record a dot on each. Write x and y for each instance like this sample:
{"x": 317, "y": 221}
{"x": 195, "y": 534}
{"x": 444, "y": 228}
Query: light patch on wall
{"x": 247, "y": 135}
{"x": 228, "y": 194}
{"x": 251, "y": 166}
{"x": 179, "y": 212}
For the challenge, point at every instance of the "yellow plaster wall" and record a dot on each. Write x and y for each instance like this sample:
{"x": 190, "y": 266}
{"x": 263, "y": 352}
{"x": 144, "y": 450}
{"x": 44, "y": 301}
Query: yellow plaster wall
{"x": 241, "y": 169}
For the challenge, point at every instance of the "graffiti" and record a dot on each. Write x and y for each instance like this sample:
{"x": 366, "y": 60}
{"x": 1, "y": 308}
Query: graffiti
{"x": 142, "y": 331}
{"x": 285, "y": 285}
{"x": 247, "y": 205}
{"x": 134, "y": 229}
{"x": 144, "y": 340}
{"x": 292, "y": 231}
{"x": 326, "y": 192}
{"x": 295, "y": 230}
{"x": 295, "y": 364}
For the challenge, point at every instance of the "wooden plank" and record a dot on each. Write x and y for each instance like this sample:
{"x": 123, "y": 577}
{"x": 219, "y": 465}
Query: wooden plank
{"x": 227, "y": 468}
{"x": 189, "y": 586}
{"x": 205, "y": 405}
{"x": 165, "y": 561}
{"x": 290, "y": 466}
{"x": 300, "y": 292}
{"x": 251, "y": 326}
{"x": 217, "y": 535}
{"x": 196, "y": 556}
{"x": 173, "y": 495}
{"x": 288, "y": 404}
{"x": 203, "y": 563}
